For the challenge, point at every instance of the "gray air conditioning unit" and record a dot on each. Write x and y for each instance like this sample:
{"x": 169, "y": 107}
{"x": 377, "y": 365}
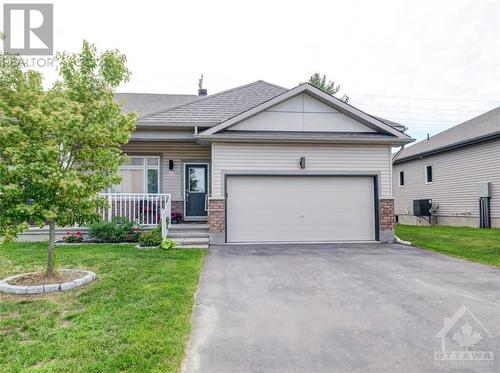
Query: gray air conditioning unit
{"x": 422, "y": 207}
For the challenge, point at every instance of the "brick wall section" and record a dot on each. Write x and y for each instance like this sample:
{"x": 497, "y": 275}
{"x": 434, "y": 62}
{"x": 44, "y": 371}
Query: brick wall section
{"x": 216, "y": 215}
{"x": 386, "y": 214}
{"x": 178, "y": 206}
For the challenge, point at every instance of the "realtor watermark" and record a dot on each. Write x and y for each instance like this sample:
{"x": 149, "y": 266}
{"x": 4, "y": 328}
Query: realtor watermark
{"x": 29, "y": 33}
{"x": 28, "y": 62}
{"x": 29, "y": 29}
{"x": 464, "y": 342}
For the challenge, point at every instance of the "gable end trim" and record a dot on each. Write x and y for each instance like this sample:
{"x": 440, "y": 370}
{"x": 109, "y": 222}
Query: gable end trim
{"x": 319, "y": 95}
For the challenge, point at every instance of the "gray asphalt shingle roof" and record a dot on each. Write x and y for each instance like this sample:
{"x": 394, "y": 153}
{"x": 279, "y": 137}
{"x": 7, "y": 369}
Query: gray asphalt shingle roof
{"x": 482, "y": 126}
{"x": 203, "y": 111}
{"x": 148, "y": 103}
{"x": 219, "y": 107}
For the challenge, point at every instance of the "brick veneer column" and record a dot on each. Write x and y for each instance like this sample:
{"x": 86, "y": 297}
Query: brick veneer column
{"x": 216, "y": 215}
{"x": 178, "y": 206}
{"x": 386, "y": 223}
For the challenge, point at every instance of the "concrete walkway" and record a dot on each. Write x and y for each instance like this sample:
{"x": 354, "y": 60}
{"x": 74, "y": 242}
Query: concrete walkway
{"x": 338, "y": 308}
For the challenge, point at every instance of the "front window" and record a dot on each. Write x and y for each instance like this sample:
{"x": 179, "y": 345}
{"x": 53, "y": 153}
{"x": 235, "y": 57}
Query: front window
{"x": 152, "y": 182}
{"x": 401, "y": 178}
{"x": 139, "y": 175}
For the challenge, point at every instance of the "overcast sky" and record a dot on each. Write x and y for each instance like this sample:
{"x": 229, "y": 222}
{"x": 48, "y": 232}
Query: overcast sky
{"x": 426, "y": 64}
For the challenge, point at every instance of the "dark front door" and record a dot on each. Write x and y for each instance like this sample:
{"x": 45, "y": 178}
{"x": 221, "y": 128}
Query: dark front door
{"x": 196, "y": 187}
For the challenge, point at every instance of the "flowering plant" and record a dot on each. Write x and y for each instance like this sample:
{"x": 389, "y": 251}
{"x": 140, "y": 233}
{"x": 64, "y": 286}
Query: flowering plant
{"x": 176, "y": 217}
{"x": 73, "y": 237}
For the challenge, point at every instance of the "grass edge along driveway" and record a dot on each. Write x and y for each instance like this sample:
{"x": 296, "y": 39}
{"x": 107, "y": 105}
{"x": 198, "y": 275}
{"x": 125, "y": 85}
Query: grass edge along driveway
{"x": 474, "y": 244}
{"x": 135, "y": 317}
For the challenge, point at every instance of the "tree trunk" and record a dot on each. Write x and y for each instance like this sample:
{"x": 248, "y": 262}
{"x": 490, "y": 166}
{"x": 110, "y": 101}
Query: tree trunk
{"x": 52, "y": 239}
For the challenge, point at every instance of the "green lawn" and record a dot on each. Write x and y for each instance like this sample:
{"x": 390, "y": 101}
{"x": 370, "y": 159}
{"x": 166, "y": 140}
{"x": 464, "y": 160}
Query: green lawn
{"x": 478, "y": 245}
{"x": 135, "y": 317}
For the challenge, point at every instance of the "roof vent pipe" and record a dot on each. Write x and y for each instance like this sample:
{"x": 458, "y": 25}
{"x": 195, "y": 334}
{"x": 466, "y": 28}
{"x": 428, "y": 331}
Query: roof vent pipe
{"x": 201, "y": 91}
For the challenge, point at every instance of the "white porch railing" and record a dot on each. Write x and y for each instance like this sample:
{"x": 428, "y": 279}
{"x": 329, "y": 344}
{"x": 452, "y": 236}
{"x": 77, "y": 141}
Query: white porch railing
{"x": 142, "y": 208}
{"x": 166, "y": 218}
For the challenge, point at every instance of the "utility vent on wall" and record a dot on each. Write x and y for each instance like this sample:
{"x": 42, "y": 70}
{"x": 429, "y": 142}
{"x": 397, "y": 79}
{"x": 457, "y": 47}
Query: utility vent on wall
{"x": 422, "y": 207}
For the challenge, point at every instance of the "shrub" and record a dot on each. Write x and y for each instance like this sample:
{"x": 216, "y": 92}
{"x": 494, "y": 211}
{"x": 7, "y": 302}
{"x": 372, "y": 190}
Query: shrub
{"x": 134, "y": 234}
{"x": 73, "y": 237}
{"x": 116, "y": 230}
{"x": 151, "y": 238}
{"x": 168, "y": 244}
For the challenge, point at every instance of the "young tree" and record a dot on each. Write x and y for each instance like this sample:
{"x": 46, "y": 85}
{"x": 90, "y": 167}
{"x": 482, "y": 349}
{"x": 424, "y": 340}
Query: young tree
{"x": 326, "y": 86}
{"x": 60, "y": 147}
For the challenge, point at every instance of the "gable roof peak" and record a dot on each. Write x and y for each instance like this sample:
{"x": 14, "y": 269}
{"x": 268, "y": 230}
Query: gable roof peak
{"x": 320, "y": 95}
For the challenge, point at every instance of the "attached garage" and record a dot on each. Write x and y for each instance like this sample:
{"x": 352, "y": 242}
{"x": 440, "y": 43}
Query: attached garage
{"x": 303, "y": 166}
{"x": 305, "y": 208}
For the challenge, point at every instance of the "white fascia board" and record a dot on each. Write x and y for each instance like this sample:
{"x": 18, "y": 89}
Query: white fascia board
{"x": 283, "y": 139}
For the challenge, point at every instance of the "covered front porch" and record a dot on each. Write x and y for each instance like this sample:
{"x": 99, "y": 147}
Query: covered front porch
{"x": 160, "y": 174}
{"x": 160, "y": 179}
{"x": 150, "y": 210}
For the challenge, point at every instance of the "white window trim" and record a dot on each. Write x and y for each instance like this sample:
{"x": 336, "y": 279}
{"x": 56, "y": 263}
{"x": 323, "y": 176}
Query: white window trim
{"x": 145, "y": 167}
{"x": 425, "y": 173}
{"x": 399, "y": 179}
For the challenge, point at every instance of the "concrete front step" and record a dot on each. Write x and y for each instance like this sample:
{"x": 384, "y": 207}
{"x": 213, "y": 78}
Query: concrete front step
{"x": 187, "y": 234}
{"x": 189, "y": 227}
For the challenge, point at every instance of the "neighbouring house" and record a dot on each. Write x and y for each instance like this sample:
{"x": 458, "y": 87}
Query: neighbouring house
{"x": 261, "y": 163}
{"x": 458, "y": 170}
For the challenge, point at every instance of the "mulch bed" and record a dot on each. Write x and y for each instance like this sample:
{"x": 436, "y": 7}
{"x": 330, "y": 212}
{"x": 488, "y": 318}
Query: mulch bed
{"x": 34, "y": 279}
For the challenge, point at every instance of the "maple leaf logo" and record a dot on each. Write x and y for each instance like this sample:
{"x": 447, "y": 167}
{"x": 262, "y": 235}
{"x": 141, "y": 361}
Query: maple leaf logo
{"x": 466, "y": 338}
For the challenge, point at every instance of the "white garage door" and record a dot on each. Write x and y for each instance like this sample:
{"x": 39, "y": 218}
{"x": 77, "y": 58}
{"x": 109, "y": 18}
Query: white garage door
{"x": 300, "y": 208}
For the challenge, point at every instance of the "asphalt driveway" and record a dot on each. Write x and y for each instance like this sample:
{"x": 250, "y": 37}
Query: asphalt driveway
{"x": 342, "y": 308}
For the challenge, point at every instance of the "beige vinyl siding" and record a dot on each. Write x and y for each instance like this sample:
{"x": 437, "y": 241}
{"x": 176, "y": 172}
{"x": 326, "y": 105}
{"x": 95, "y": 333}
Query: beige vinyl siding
{"x": 179, "y": 152}
{"x": 456, "y": 177}
{"x": 341, "y": 159}
{"x": 301, "y": 113}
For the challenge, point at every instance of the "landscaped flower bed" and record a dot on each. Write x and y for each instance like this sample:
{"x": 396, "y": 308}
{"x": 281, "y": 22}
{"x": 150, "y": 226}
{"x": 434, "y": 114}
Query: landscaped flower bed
{"x": 73, "y": 237}
{"x": 118, "y": 230}
{"x": 36, "y": 282}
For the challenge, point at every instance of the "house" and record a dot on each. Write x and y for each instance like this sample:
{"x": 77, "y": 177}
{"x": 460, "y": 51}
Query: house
{"x": 261, "y": 163}
{"x": 458, "y": 170}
